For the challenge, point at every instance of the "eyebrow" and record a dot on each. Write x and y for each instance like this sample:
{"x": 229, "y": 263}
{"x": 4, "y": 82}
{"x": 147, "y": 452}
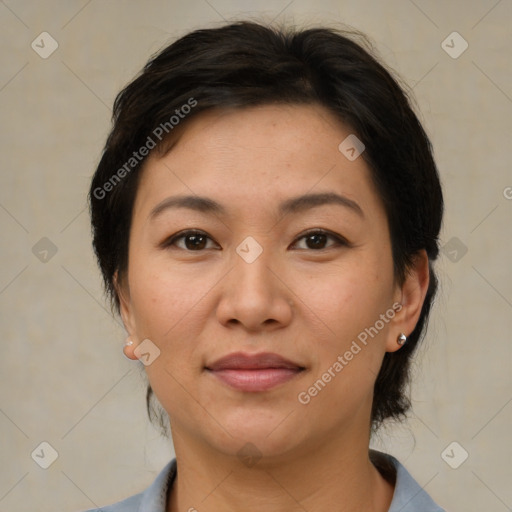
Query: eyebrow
{"x": 293, "y": 205}
{"x": 308, "y": 201}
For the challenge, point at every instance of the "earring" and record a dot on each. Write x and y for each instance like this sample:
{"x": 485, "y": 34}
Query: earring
{"x": 402, "y": 338}
{"x": 128, "y": 343}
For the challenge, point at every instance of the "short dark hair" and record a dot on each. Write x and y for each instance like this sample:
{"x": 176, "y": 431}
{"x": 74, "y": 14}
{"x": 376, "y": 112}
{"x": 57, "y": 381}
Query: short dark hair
{"x": 245, "y": 64}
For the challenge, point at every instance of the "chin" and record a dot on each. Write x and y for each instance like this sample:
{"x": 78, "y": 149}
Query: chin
{"x": 255, "y": 440}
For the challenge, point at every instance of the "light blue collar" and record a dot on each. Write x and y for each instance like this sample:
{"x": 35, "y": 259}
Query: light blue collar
{"x": 408, "y": 495}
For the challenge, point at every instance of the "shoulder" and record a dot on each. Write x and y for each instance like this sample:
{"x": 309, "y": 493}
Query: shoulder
{"x": 131, "y": 504}
{"x": 154, "y": 498}
{"x": 409, "y": 496}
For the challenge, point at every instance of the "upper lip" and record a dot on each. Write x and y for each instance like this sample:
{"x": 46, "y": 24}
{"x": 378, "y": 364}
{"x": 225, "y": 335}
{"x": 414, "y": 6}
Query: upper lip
{"x": 243, "y": 361}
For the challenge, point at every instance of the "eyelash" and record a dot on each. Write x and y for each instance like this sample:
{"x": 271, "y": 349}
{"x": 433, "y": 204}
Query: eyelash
{"x": 339, "y": 240}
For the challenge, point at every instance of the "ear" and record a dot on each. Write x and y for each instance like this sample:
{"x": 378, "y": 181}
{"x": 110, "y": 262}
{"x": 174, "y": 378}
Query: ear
{"x": 410, "y": 295}
{"x": 125, "y": 309}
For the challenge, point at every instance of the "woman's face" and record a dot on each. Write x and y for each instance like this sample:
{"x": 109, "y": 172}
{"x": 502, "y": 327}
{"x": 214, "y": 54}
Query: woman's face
{"x": 293, "y": 258}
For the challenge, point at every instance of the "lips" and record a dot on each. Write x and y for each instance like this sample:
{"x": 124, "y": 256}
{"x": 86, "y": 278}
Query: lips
{"x": 241, "y": 361}
{"x": 254, "y": 372}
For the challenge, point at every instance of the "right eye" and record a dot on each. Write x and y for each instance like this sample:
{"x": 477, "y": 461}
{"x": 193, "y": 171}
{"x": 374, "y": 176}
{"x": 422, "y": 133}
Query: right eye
{"x": 190, "y": 240}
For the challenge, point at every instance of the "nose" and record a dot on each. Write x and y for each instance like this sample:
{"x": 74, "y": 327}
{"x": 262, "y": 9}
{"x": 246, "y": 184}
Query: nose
{"x": 255, "y": 297}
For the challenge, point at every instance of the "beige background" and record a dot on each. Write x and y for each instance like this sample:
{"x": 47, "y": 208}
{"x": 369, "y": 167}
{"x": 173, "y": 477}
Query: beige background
{"x": 64, "y": 378}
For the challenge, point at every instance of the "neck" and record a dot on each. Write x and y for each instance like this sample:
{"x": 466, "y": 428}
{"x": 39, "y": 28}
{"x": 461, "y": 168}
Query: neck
{"x": 312, "y": 479}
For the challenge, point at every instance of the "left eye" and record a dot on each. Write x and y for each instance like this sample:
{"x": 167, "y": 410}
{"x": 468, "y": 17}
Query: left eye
{"x": 317, "y": 240}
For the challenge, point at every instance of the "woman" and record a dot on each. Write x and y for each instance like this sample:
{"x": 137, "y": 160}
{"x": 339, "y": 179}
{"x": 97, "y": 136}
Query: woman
{"x": 265, "y": 215}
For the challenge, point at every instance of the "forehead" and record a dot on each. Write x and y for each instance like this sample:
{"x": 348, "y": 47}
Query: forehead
{"x": 257, "y": 157}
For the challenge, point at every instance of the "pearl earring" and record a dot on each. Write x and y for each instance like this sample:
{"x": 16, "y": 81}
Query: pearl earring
{"x": 402, "y": 338}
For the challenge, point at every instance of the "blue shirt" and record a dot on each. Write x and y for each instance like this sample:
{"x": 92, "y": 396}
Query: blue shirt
{"x": 408, "y": 495}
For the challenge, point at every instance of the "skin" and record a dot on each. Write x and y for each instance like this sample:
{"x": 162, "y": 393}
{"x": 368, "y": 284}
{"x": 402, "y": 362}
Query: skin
{"x": 303, "y": 302}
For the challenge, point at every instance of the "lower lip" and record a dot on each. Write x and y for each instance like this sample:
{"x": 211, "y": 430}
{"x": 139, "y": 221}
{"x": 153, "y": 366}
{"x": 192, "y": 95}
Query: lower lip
{"x": 255, "y": 380}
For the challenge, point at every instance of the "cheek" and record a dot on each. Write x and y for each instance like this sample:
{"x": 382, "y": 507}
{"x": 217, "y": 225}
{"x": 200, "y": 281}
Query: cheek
{"x": 348, "y": 296}
{"x": 167, "y": 309}
{"x": 349, "y": 301}
{"x": 171, "y": 309}
{"x": 162, "y": 298}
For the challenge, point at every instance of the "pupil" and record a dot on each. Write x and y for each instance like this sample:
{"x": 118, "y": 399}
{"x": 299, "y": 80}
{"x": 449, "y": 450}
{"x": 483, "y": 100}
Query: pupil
{"x": 317, "y": 240}
{"x": 195, "y": 241}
